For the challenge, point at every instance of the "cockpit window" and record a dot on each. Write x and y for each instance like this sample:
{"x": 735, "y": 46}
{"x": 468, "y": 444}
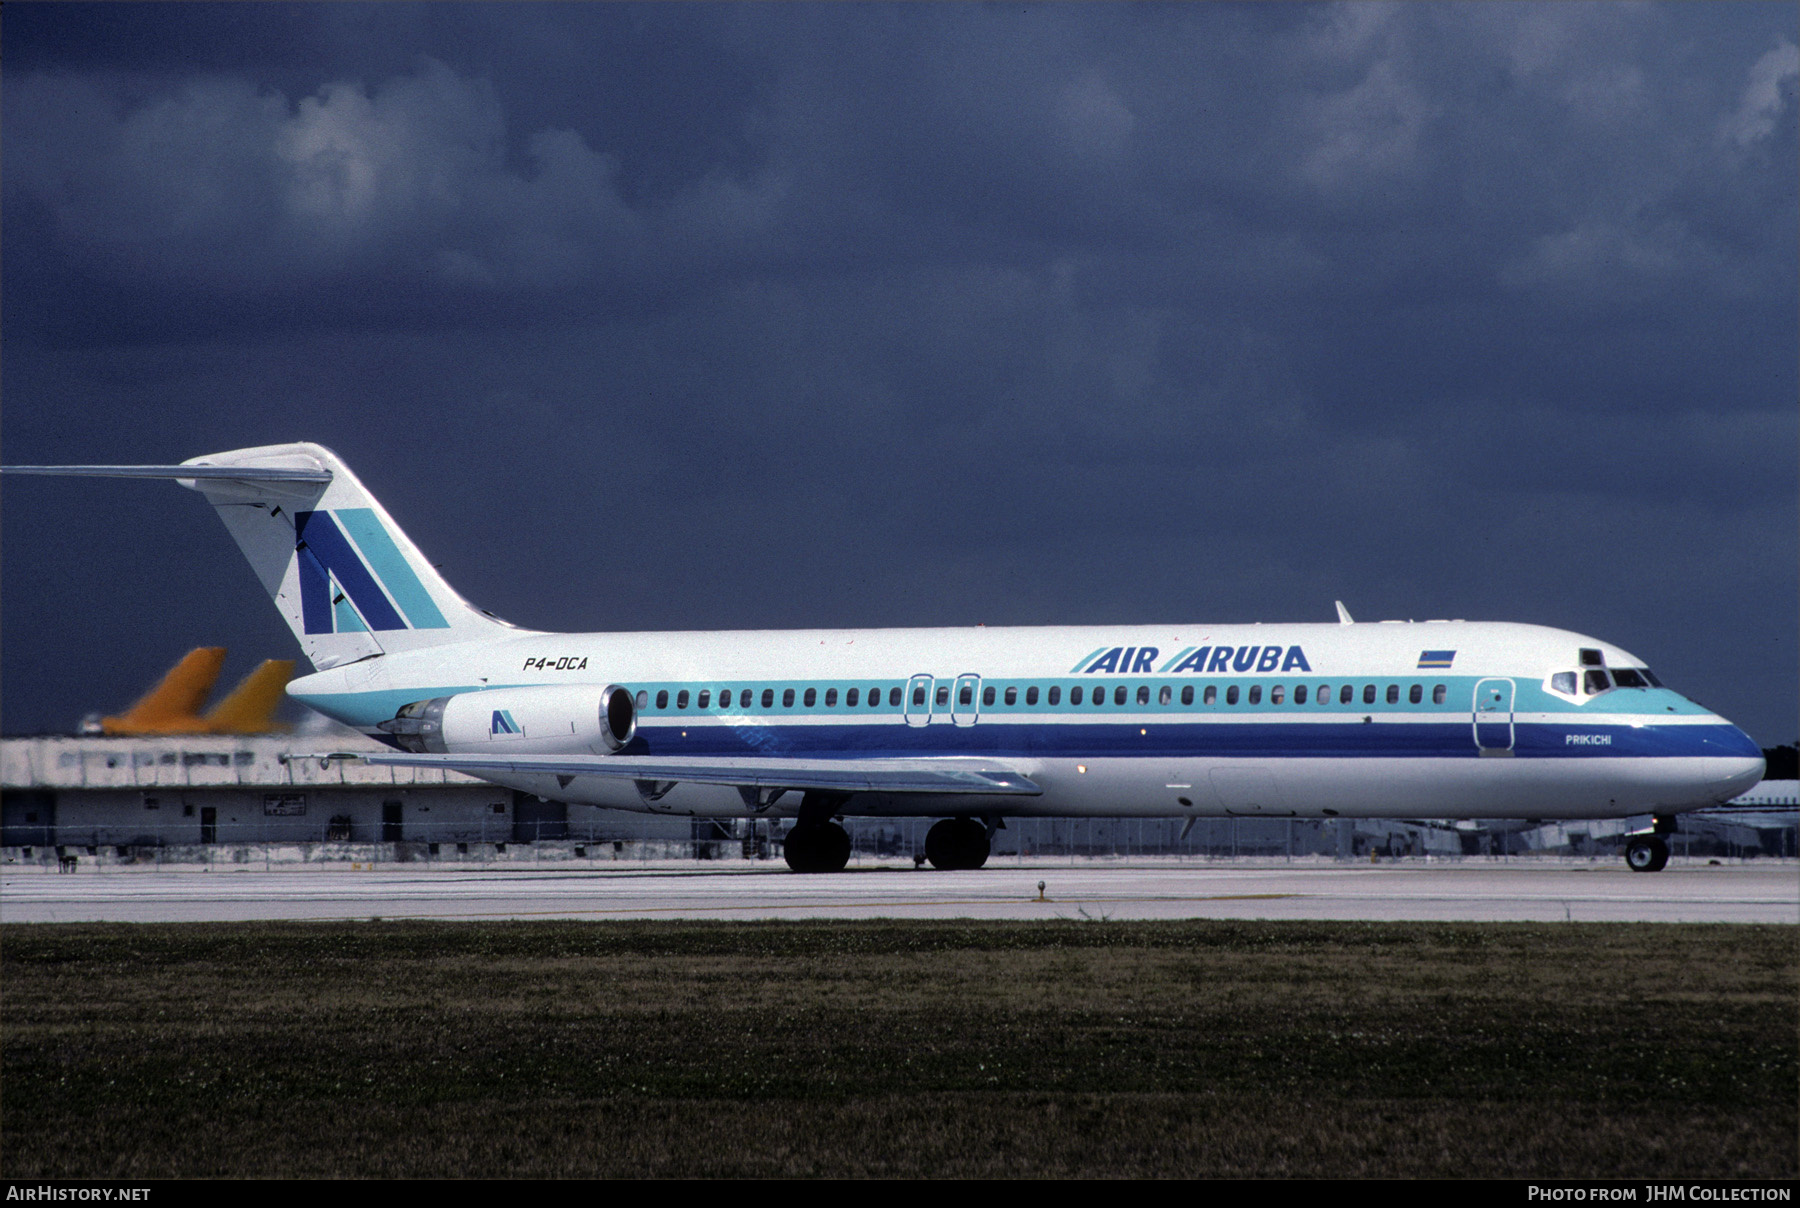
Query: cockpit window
{"x": 1591, "y": 658}
{"x": 1594, "y": 680}
{"x": 1651, "y": 676}
{"x": 1564, "y": 682}
{"x": 1629, "y": 677}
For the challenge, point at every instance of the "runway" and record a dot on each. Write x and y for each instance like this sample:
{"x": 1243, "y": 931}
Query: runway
{"x": 1762, "y": 891}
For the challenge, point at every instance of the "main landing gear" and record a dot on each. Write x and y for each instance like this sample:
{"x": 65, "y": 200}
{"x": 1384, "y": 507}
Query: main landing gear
{"x": 957, "y": 843}
{"x": 1650, "y": 853}
{"x": 816, "y": 843}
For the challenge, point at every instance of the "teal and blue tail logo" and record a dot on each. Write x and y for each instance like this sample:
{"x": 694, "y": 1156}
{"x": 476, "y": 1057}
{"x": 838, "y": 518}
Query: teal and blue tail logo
{"x": 342, "y": 584}
{"x": 503, "y": 723}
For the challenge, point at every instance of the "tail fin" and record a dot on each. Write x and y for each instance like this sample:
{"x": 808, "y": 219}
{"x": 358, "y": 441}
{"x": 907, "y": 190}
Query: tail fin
{"x": 174, "y": 704}
{"x": 250, "y": 709}
{"x": 349, "y": 582}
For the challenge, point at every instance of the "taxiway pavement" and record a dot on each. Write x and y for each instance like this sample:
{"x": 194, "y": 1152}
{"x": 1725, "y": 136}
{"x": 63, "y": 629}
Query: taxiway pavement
{"x": 1762, "y": 891}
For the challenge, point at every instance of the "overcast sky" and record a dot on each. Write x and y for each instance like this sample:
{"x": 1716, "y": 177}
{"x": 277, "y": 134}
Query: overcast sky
{"x": 681, "y": 316}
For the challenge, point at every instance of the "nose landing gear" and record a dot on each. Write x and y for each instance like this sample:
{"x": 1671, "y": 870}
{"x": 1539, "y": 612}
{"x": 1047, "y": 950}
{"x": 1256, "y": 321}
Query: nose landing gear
{"x": 1646, "y": 853}
{"x": 1650, "y": 853}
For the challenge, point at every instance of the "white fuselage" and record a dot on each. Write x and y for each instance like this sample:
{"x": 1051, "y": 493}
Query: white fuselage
{"x": 1432, "y": 719}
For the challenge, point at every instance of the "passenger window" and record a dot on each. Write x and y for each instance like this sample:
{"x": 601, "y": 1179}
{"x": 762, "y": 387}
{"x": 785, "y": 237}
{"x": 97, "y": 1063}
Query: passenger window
{"x": 1119, "y": 695}
{"x": 1143, "y": 694}
{"x": 1324, "y": 694}
{"x": 768, "y": 698}
{"x": 1231, "y": 695}
{"x": 830, "y": 697}
{"x": 852, "y": 697}
{"x": 943, "y": 694}
{"x": 1437, "y": 694}
{"x": 681, "y": 699}
{"x": 662, "y": 699}
{"x": 787, "y": 699}
{"x": 1256, "y": 694}
{"x": 1277, "y": 694}
{"x": 1417, "y": 694}
{"x": 1299, "y": 694}
{"x": 1187, "y": 694}
{"x": 966, "y": 696}
{"x": 811, "y": 697}
{"x": 1056, "y": 694}
{"x": 643, "y": 699}
{"x": 1346, "y": 694}
{"x": 1212, "y": 694}
{"x": 1166, "y": 695}
{"x": 1031, "y": 695}
{"x": 1393, "y": 694}
{"x": 1368, "y": 694}
{"x": 987, "y": 695}
{"x": 1012, "y": 695}
{"x": 894, "y": 698}
{"x": 1075, "y": 695}
{"x": 919, "y": 695}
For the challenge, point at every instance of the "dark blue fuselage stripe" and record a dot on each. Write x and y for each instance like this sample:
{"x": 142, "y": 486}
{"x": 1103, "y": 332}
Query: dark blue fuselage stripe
{"x": 1177, "y": 740}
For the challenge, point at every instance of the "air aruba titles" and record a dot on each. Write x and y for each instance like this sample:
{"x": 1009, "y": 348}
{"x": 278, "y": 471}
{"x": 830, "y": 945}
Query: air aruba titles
{"x": 1204, "y": 660}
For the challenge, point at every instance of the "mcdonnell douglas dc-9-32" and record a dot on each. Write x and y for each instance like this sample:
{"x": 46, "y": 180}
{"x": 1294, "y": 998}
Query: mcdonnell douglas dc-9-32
{"x": 1402, "y": 720}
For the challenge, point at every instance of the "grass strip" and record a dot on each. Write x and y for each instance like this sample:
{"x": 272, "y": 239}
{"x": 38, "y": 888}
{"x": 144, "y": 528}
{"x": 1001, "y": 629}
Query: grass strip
{"x": 1176, "y": 1049}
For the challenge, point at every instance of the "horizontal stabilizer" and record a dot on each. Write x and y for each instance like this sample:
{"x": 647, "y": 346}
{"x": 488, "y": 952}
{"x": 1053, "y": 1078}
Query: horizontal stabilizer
{"x": 237, "y": 473}
{"x": 840, "y": 775}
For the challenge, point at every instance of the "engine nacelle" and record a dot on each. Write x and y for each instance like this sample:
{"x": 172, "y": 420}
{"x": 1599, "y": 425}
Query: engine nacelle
{"x": 560, "y": 720}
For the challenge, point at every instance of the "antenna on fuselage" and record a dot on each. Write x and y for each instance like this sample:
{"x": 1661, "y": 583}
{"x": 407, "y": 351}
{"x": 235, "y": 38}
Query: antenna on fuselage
{"x": 1343, "y": 613}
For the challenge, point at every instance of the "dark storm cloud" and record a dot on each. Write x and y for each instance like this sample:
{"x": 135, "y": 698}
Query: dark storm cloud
{"x": 931, "y": 314}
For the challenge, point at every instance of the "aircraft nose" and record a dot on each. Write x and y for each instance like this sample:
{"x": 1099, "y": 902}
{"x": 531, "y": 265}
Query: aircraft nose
{"x": 1735, "y": 762}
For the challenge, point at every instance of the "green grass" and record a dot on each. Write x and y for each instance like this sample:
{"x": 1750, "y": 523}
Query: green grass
{"x": 882, "y": 1048}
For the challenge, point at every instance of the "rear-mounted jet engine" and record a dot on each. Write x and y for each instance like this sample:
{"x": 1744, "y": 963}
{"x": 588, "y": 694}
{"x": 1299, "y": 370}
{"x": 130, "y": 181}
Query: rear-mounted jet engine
{"x": 550, "y": 720}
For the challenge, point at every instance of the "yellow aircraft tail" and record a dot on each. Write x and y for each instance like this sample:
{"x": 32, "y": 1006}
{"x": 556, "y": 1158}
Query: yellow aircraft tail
{"x": 250, "y": 709}
{"x": 173, "y": 706}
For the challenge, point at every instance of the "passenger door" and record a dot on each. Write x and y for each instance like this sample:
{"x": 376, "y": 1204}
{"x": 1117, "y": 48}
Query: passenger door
{"x": 918, "y": 700}
{"x": 1494, "y": 717}
{"x": 965, "y": 704}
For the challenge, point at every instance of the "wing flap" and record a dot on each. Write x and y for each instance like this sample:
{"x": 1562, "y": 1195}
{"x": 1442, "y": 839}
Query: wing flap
{"x": 841, "y": 775}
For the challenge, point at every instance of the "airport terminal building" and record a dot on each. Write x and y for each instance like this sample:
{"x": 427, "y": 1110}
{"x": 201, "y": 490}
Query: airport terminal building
{"x": 151, "y": 792}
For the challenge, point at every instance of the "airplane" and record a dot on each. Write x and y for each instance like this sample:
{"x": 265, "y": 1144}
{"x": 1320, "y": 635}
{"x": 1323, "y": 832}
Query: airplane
{"x": 173, "y": 706}
{"x": 1442, "y": 719}
{"x": 177, "y": 697}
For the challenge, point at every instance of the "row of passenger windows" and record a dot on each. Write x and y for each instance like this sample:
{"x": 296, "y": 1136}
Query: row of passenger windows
{"x": 745, "y": 698}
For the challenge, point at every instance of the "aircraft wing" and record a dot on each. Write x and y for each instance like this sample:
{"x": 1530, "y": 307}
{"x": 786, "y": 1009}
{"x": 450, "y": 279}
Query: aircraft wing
{"x": 840, "y": 775}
